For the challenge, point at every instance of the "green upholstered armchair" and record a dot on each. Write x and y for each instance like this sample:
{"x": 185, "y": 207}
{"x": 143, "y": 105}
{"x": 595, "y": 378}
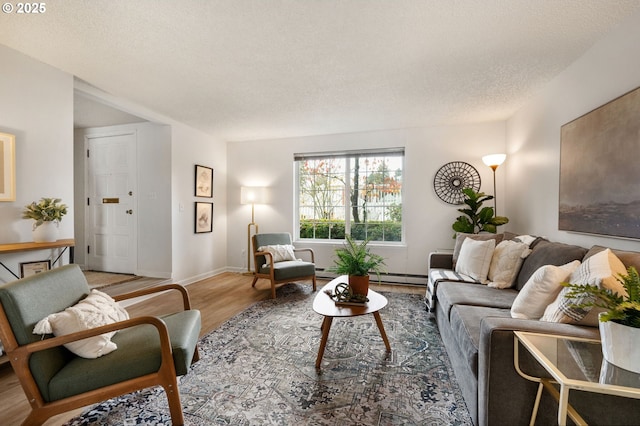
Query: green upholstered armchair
{"x": 277, "y": 271}
{"x": 151, "y": 351}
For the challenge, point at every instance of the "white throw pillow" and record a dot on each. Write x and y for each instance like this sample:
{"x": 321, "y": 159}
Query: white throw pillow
{"x": 280, "y": 252}
{"x": 505, "y": 263}
{"x": 600, "y": 270}
{"x": 475, "y": 258}
{"x": 96, "y": 309}
{"x": 461, "y": 237}
{"x": 541, "y": 289}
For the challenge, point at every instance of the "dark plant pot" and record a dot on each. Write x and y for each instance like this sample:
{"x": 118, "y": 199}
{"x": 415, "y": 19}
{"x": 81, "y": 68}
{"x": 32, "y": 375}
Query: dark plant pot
{"x": 359, "y": 284}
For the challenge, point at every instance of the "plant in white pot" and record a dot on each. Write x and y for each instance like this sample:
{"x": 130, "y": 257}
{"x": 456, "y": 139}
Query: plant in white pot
{"x": 356, "y": 260}
{"x": 47, "y": 214}
{"x": 620, "y": 323}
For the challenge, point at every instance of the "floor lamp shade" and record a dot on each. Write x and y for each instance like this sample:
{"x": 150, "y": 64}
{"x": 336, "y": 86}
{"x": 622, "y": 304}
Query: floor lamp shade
{"x": 493, "y": 161}
{"x": 252, "y": 195}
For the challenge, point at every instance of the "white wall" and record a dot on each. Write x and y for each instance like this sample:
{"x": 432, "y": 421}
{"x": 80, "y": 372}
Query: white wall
{"x": 36, "y": 107}
{"x": 427, "y": 219}
{"x": 609, "y": 69}
{"x": 197, "y": 256}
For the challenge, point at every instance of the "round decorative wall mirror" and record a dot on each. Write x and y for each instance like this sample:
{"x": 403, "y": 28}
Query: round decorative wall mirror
{"x": 452, "y": 178}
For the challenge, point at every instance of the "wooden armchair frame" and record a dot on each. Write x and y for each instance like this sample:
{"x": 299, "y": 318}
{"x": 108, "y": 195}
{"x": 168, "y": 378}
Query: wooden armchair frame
{"x": 19, "y": 357}
{"x": 271, "y": 275}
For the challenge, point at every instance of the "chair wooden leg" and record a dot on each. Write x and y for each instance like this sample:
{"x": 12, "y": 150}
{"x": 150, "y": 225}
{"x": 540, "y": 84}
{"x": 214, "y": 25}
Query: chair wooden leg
{"x": 175, "y": 406}
{"x": 273, "y": 290}
{"x": 255, "y": 280}
{"x": 314, "y": 283}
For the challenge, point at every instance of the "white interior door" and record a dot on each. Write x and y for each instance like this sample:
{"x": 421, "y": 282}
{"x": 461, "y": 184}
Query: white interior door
{"x": 111, "y": 209}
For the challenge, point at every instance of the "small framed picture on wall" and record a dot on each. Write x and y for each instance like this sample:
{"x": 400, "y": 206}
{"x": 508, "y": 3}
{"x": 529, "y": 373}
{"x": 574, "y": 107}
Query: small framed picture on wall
{"x": 204, "y": 181}
{"x": 203, "y": 217}
{"x": 32, "y": 268}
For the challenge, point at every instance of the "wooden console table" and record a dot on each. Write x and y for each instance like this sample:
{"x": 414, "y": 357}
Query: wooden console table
{"x": 20, "y": 247}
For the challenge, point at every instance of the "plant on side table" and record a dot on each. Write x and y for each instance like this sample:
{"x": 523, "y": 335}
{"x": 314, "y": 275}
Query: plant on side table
{"x": 477, "y": 218}
{"x": 47, "y": 214}
{"x": 357, "y": 261}
{"x": 620, "y": 323}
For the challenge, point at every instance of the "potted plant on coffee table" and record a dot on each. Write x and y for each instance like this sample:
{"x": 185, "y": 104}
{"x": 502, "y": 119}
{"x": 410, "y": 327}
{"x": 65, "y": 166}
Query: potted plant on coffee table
{"x": 47, "y": 214}
{"x": 356, "y": 260}
{"x": 620, "y": 323}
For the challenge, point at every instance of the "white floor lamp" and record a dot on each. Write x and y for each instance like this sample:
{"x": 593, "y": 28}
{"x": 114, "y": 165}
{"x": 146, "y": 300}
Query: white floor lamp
{"x": 251, "y": 195}
{"x": 493, "y": 161}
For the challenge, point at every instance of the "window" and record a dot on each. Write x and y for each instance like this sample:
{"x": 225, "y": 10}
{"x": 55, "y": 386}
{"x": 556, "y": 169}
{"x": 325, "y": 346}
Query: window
{"x": 355, "y": 193}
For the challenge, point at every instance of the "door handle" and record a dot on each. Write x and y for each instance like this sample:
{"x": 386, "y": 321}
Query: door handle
{"x": 129, "y": 212}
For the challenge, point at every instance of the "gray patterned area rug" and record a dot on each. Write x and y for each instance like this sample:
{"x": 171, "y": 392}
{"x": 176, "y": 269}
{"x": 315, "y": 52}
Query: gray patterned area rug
{"x": 259, "y": 369}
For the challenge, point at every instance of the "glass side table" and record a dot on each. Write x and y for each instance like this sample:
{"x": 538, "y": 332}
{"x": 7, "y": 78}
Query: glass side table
{"x": 573, "y": 363}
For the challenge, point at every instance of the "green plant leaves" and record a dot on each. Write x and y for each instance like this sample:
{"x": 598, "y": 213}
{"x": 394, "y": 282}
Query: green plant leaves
{"x": 356, "y": 259}
{"x": 478, "y": 218}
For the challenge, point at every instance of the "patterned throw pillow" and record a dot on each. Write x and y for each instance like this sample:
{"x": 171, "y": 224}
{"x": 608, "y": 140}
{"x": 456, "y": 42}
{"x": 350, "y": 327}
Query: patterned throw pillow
{"x": 541, "y": 289}
{"x": 600, "y": 270}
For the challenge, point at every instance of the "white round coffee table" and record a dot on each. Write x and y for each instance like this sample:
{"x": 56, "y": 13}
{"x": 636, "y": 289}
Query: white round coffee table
{"x": 324, "y": 305}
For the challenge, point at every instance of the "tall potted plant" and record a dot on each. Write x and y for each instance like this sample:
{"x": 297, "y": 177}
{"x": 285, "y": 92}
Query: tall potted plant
{"x": 477, "y": 218}
{"x": 620, "y": 323}
{"x": 356, "y": 260}
{"x": 47, "y": 214}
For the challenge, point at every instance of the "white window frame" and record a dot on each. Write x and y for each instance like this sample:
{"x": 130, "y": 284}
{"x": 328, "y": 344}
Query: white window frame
{"x": 349, "y": 156}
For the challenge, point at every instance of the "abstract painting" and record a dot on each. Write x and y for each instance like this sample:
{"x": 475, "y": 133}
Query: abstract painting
{"x": 599, "y": 173}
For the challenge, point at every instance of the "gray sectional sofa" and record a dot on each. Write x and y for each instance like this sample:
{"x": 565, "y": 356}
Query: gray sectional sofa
{"x": 476, "y": 326}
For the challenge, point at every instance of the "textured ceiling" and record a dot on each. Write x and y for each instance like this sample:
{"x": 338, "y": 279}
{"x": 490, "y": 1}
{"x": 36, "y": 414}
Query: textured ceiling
{"x": 258, "y": 69}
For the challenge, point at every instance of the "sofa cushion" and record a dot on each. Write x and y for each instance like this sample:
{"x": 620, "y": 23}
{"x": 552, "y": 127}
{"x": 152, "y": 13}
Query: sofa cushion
{"x": 289, "y": 269}
{"x": 542, "y": 288}
{"x": 451, "y": 293}
{"x": 547, "y": 253}
{"x": 600, "y": 270}
{"x": 465, "y": 323}
{"x": 506, "y": 262}
{"x": 475, "y": 258}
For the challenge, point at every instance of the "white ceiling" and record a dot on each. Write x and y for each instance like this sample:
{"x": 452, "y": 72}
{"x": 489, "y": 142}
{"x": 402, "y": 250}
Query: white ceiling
{"x": 259, "y": 69}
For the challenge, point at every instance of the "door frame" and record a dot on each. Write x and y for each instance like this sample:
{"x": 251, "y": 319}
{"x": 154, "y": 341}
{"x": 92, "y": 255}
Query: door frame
{"x": 86, "y": 210}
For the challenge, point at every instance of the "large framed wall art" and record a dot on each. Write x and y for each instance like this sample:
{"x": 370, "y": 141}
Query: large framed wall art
{"x": 599, "y": 172}
{"x": 7, "y": 167}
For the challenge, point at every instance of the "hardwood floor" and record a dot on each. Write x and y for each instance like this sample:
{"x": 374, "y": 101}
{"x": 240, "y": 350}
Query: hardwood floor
{"x": 218, "y": 298}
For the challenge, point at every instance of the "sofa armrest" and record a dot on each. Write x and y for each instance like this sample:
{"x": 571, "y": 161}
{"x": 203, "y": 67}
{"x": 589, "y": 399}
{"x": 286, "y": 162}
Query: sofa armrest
{"x": 498, "y": 380}
{"x": 440, "y": 260}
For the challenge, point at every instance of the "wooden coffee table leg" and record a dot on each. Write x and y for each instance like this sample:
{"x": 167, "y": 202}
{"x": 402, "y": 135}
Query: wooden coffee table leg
{"x": 376, "y": 315}
{"x": 326, "y": 325}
